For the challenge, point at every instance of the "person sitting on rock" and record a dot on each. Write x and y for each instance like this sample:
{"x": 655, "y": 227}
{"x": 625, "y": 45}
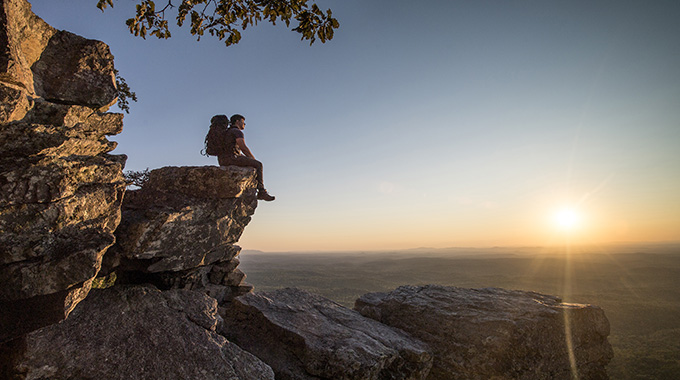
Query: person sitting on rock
{"x": 236, "y": 151}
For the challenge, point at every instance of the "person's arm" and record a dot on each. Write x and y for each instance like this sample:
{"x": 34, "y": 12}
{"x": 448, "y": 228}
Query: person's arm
{"x": 241, "y": 143}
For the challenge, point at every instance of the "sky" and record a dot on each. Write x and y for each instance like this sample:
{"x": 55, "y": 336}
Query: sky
{"x": 433, "y": 123}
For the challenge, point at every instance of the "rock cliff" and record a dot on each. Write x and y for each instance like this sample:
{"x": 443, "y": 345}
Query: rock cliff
{"x": 179, "y": 230}
{"x": 179, "y": 307}
{"x": 60, "y": 192}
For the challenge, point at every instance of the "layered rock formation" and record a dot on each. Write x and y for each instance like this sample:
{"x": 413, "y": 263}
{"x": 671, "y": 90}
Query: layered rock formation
{"x": 179, "y": 230}
{"x": 305, "y": 336}
{"x": 60, "y": 192}
{"x": 497, "y": 333}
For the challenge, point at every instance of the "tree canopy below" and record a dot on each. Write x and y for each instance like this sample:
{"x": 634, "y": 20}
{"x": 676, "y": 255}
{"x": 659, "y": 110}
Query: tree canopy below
{"x": 225, "y": 19}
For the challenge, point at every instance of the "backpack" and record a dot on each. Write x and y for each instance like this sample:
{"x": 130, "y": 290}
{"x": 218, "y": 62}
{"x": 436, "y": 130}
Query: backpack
{"x": 215, "y": 141}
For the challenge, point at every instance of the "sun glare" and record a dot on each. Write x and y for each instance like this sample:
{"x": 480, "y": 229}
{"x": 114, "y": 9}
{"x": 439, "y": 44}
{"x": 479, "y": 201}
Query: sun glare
{"x": 567, "y": 219}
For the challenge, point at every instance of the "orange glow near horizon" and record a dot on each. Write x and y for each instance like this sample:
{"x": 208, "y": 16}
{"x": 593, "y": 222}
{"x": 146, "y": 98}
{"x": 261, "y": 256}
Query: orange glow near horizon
{"x": 579, "y": 215}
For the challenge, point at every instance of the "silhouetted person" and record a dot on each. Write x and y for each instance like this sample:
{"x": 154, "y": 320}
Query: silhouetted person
{"x": 236, "y": 152}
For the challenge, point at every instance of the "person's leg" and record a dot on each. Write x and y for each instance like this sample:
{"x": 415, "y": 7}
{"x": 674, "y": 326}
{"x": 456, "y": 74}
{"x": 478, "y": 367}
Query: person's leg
{"x": 261, "y": 191}
{"x": 245, "y": 162}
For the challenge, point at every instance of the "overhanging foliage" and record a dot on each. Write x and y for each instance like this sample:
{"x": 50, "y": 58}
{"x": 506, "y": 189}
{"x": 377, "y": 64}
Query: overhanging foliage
{"x": 225, "y": 19}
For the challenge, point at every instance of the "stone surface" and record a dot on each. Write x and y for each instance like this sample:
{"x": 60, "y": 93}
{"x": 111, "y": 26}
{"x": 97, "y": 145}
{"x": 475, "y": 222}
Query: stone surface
{"x": 23, "y": 38}
{"x": 305, "y": 336}
{"x": 137, "y": 333}
{"x": 60, "y": 199}
{"x": 179, "y": 229}
{"x": 211, "y": 182}
{"x": 60, "y": 190}
{"x": 75, "y": 70}
{"x": 13, "y": 102}
{"x": 56, "y": 130}
{"x": 497, "y": 333}
{"x": 42, "y": 62}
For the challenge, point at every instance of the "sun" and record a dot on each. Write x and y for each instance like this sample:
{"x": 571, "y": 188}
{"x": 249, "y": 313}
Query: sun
{"x": 567, "y": 219}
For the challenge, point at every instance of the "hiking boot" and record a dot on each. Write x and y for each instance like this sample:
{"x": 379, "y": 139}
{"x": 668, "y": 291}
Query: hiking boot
{"x": 263, "y": 195}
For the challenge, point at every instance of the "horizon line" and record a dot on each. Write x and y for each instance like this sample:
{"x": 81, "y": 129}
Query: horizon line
{"x": 386, "y": 250}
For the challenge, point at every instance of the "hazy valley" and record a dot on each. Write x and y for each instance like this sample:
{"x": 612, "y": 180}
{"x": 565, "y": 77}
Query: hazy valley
{"x": 636, "y": 285}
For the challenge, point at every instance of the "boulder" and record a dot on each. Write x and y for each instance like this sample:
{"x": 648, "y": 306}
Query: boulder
{"x": 496, "y": 333}
{"x": 38, "y": 61}
{"x": 179, "y": 230}
{"x": 137, "y": 333}
{"x": 75, "y": 70}
{"x": 305, "y": 336}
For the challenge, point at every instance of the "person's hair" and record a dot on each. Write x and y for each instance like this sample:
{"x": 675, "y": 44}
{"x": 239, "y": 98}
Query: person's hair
{"x": 235, "y": 118}
{"x": 219, "y": 120}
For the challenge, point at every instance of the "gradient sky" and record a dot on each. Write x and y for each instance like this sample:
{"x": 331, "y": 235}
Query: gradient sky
{"x": 425, "y": 123}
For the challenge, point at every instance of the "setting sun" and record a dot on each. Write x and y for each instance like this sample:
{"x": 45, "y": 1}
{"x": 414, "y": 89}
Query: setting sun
{"x": 567, "y": 219}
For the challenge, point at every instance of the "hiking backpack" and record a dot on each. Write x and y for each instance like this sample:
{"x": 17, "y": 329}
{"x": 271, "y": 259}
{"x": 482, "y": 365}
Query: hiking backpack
{"x": 215, "y": 141}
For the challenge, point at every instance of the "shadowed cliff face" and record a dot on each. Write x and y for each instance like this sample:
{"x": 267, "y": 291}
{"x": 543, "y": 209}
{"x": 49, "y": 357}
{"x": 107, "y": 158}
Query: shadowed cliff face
{"x": 60, "y": 192}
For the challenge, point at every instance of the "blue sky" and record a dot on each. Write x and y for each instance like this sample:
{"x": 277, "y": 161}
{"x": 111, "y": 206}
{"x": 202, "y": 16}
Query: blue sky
{"x": 424, "y": 123}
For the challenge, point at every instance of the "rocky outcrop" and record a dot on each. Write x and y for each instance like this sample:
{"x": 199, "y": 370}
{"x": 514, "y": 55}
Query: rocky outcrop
{"x": 305, "y": 336}
{"x": 179, "y": 230}
{"x": 497, "y": 333}
{"x": 138, "y": 333}
{"x": 75, "y": 70}
{"x": 60, "y": 191}
{"x": 38, "y": 61}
